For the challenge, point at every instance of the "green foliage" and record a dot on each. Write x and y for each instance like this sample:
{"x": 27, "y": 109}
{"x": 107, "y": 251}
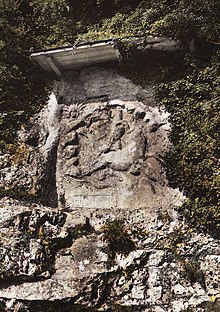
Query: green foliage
{"x": 192, "y": 100}
{"x": 22, "y": 92}
{"x": 184, "y": 20}
{"x": 193, "y": 163}
{"x": 31, "y": 25}
{"x": 193, "y": 273}
{"x": 37, "y": 24}
{"x": 115, "y": 233}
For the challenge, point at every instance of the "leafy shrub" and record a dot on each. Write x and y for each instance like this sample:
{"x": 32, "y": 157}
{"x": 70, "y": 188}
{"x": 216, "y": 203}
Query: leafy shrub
{"x": 193, "y": 162}
{"x": 115, "y": 233}
{"x": 193, "y": 273}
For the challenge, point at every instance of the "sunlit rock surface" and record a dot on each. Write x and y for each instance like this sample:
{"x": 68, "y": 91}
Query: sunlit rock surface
{"x": 94, "y": 155}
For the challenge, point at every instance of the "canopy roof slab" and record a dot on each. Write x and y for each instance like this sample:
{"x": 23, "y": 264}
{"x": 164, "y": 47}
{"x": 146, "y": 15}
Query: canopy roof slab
{"x": 75, "y": 57}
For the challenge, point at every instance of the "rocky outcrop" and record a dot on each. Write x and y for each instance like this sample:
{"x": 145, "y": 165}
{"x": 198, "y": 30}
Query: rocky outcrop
{"x": 99, "y": 228}
{"x": 52, "y": 256}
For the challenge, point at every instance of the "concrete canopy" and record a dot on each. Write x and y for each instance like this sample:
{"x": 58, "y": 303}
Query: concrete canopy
{"x": 76, "y": 56}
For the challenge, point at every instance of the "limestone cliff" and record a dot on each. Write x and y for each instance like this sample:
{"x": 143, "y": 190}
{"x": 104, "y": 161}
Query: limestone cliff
{"x": 100, "y": 231}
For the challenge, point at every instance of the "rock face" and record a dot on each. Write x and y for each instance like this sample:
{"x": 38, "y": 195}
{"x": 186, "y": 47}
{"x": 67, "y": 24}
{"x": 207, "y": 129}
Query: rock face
{"x": 106, "y": 235}
{"x": 109, "y": 151}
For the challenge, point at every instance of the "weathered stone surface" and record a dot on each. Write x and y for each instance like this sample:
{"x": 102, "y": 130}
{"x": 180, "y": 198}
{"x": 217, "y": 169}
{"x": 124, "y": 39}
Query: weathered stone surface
{"x": 109, "y": 158}
{"x": 52, "y": 255}
{"x": 111, "y": 144}
{"x": 93, "y": 156}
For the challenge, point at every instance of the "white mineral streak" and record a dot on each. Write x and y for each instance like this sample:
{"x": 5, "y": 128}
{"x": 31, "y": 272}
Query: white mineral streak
{"x": 53, "y": 118}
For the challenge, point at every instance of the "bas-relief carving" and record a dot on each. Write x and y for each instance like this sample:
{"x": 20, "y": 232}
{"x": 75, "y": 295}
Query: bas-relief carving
{"x": 92, "y": 142}
{"x": 106, "y": 164}
{"x": 108, "y": 157}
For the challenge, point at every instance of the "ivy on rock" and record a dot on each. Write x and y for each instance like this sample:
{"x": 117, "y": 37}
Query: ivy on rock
{"x": 193, "y": 162}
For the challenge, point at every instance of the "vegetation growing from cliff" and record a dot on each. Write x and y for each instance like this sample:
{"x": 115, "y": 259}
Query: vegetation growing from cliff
{"x": 31, "y": 25}
{"x": 118, "y": 240}
{"x": 193, "y": 163}
{"x": 190, "y": 89}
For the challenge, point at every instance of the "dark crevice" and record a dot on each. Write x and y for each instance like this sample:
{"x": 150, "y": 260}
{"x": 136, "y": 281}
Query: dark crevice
{"x": 48, "y": 191}
{"x": 103, "y": 97}
{"x": 17, "y": 280}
